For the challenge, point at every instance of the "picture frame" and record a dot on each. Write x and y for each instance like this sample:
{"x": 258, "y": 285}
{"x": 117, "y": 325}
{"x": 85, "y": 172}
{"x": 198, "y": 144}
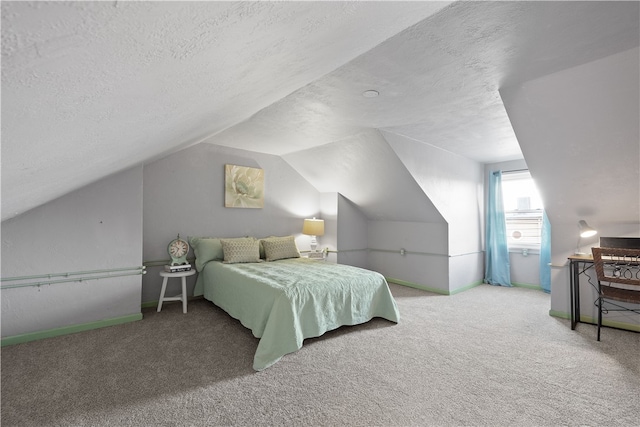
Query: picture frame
{"x": 244, "y": 187}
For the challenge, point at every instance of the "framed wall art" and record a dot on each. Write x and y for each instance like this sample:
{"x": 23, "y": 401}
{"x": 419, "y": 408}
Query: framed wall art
{"x": 244, "y": 187}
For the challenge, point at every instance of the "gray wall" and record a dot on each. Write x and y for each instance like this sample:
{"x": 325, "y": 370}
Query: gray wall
{"x": 414, "y": 196}
{"x": 455, "y": 185}
{"x": 352, "y": 234}
{"x": 579, "y": 132}
{"x": 184, "y": 193}
{"x": 97, "y": 227}
{"x": 425, "y": 262}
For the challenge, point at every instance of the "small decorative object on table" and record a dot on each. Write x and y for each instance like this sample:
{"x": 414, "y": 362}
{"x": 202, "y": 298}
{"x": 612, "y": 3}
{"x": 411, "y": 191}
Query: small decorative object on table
{"x": 177, "y": 268}
{"x": 316, "y": 255}
{"x": 178, "y": 250}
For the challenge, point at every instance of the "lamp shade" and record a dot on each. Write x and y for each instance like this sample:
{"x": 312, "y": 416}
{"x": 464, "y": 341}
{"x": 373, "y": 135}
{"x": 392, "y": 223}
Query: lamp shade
{"x": 313, "y": 227}
{"x": 585, "y": 230}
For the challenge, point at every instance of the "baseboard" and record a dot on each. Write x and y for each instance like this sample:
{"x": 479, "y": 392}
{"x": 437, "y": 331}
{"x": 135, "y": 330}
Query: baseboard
{"x": 72, "y": 329}
{"x": 593, "y": 321}
{"x": 149, "y": 304}
{"x": 610, "y": 323}
{"x": 527, "y": 285}
{"x": 416, "y": 286}
{"x": 466, "y": 288}
{"x": 433, "y": 290}
{"x": 154, "y": 304}
{"x": 559, "y": 314}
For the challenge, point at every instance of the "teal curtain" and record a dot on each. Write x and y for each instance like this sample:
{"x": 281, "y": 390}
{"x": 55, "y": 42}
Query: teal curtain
{"x": 497, "y": 268}
{"x": 545, "y": 254}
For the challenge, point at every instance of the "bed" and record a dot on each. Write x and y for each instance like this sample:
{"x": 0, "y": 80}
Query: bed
{"x": 283, "y": 301}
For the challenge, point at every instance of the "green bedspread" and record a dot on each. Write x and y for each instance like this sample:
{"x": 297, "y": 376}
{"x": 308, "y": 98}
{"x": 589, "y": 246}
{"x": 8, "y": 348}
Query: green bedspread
{"x": 283, "y": 302}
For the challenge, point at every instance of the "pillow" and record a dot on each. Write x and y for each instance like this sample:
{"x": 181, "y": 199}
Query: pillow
{"x": 206, "y": 249}
{"x": 243, "y": 249}
{"x": 276, "y": 248}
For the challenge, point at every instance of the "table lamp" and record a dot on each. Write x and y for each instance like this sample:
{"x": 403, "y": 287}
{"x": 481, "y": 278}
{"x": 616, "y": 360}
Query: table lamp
{"x": 585, "y": 231}
{"x": 313, "y": 227}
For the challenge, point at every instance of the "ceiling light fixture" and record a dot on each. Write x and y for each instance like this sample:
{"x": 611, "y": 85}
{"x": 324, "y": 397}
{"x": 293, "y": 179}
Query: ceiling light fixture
{"x": 370, "y": 93}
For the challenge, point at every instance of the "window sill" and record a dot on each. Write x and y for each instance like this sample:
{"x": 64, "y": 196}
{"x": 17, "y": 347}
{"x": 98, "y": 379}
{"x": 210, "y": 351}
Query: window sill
{"x": 530, "y": 251}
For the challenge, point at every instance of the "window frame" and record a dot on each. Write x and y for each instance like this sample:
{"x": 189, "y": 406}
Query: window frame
{"x": 530, "y": 219}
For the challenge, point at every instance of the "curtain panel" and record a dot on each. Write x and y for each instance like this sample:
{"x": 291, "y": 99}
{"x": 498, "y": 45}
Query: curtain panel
{"x": 497, "y": 265}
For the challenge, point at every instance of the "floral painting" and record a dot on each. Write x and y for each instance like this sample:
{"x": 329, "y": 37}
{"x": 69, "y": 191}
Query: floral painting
{"x": 244, "y": 187}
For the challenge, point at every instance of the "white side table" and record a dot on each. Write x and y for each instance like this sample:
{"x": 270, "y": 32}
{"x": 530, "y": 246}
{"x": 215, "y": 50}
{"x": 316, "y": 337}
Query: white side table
{"x": 183, "y": 297}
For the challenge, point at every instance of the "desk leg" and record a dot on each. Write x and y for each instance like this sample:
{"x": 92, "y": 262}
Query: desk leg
{"x": 573, "y": 268}
{"x": 574, "y": 280}
{"x": 576, "y": 292}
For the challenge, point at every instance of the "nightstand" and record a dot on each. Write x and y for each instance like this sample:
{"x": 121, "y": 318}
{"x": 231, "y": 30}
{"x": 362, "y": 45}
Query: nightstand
{"x": 181, "y": 274}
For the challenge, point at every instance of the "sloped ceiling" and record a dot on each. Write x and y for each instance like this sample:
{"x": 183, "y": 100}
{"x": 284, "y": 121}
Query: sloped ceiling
{"x": 596, "y": 127}
{"x": 92, "y": 88}
{"x": 342, "y": 167}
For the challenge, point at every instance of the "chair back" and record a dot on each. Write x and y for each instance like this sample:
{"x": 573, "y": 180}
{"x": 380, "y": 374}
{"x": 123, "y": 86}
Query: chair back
{"x": 617, "y": 265}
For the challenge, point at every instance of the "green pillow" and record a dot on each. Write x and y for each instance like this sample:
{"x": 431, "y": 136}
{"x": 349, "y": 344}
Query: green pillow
{"x": 206, "y": 249}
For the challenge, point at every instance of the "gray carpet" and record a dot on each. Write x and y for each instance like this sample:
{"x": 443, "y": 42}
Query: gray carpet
{"x": 488, "y": 356}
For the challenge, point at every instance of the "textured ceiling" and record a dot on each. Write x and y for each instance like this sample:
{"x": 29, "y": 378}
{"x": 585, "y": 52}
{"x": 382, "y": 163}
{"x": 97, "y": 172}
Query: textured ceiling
{"x": 439, "y": 80}
{"x": 92, "y": 88}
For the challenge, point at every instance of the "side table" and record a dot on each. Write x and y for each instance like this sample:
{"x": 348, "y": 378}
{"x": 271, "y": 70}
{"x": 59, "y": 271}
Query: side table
{"x": 183, "y": 297}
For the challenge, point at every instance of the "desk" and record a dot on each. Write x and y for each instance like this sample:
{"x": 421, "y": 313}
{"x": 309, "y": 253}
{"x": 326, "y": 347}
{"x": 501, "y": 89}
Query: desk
{"x": 574, "y": 283}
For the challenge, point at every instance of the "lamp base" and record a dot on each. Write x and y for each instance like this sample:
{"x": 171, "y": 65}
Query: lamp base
{"x": 314, "y": 244}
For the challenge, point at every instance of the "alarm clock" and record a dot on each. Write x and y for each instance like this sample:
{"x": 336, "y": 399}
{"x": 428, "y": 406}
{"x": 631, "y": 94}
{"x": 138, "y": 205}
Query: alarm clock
{"x": 178, "y": 250}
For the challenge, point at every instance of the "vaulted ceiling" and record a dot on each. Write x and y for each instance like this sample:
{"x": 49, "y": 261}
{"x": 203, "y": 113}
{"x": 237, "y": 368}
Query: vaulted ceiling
{"x": 93, "y": 88}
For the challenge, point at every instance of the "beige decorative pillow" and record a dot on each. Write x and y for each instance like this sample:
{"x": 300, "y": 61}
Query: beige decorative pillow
{"x": 243, "y": 249}
{"x": 276, "y": 248}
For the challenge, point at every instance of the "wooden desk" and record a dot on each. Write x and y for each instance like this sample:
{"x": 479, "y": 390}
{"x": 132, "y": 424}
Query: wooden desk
{"x": 575, "y": 270}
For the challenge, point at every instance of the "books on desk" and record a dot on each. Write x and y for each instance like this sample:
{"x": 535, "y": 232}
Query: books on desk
{"x": 177, "y": 268}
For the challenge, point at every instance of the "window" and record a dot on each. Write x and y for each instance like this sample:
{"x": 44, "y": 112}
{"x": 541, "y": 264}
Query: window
{"x": 523, "y": 210}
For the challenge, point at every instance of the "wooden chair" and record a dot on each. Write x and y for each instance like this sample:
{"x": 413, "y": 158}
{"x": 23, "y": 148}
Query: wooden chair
{"x": 618, "y": 272}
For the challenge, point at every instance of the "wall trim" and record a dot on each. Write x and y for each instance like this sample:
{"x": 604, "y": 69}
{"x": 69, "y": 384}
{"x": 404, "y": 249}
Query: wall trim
{"x": 154, "y": 304}
{"x": 416, "y": 286}
{"x": 398, "y": 251}
{"x": 430, "y": 289}
{"x": 466, "y": 288}
{"x": 559, "y": 314}
{"x": 150, "y": 304}
{"x": 592, "y": 321}
{"x": 527, "y": 285}
{"x": 71, "y": 329}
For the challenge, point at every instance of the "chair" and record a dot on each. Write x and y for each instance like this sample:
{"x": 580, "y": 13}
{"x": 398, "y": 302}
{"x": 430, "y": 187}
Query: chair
{"x": 618, "y": 272}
